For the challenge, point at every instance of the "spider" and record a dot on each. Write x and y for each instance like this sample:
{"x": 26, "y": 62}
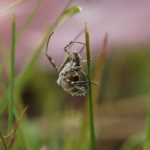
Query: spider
{"x": 72, "y": 78}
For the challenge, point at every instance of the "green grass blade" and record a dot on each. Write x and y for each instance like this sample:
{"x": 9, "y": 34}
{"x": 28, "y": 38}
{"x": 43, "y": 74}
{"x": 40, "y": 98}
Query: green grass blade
{"x": 4, "y": 62}
{"x": 19, "y": 35}
{"x": 3, "y": 140}
{"x": 10, "y": 117}
{"x": 83, "y": 139}
{"x": 93, "y": 145}
{"x": 4, "y": 100}
{"x": 147, "y": 139}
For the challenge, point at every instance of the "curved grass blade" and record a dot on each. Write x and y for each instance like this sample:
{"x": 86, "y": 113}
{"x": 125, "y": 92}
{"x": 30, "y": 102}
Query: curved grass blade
{"x": 9, "y": 8}
{"x": 133, "y": 142}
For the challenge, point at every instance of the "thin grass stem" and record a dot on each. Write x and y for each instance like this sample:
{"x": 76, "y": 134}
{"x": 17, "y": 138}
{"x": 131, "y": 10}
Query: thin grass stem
{"x": 10, "y": 118}
{"x": 93, "y": 145}
{"x": 3, "y": 140}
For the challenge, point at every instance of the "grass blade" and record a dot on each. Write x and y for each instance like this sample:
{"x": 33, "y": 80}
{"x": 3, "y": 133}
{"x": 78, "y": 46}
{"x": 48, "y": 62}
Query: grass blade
{"x": 10, "y": 118}
{"x": 9, "y": 8}
{"x": 93, "y": 145}
{"x": 82, "y": 142}
{"x": 3, "y": 140}
{"x": 147, "y": 139}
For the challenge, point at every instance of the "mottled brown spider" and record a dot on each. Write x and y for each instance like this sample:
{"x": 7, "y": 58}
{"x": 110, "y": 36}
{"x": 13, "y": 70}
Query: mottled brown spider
{"x": 71, "y": 75}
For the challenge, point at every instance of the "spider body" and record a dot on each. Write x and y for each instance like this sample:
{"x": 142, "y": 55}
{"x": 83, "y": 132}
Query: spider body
{"x": 71, "y": 75}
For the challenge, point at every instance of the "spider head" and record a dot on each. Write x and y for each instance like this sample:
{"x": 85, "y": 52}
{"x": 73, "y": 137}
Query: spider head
{"x": 76, "y": 58}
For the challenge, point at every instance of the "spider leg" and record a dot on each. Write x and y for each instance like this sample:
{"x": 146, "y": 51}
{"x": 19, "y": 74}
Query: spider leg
{"x": 48, "y": 56}
{"x": 65, "y": 48}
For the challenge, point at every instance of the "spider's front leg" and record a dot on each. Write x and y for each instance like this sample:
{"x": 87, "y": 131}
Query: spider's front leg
{"x": 48, "y": 56}
{"x": 65, "y": 48}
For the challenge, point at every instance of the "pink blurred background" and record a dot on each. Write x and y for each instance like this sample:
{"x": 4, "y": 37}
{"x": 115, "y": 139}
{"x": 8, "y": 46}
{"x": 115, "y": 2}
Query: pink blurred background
{"x": 127, "y": 22}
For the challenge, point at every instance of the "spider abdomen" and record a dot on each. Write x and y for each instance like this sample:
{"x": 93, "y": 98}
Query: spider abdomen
{"x": 74, "y": 82}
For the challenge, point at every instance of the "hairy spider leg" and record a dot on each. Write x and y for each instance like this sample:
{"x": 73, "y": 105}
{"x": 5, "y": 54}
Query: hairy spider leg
{"x": 48, "y": 56}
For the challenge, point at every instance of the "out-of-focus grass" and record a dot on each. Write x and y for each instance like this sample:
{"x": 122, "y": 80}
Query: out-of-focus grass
{"x": 133, "y": 142}
{"x": 15, "y": 115}
{"x": 3, "y": 140}
{"x": 11, "y": 103}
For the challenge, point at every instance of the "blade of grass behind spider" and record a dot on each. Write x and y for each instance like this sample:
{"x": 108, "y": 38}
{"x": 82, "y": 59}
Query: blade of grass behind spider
{"x": 147, "y": 137}
{"x": 3, "y": 140}
{"x": 99, "y": 70}
{"x": 15, "y": 115}
{"x": 82, "y": 142}
{"x": 19, "y": 34}
{"x": 92, "y": 132}
{"x": 10, "y": 116}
